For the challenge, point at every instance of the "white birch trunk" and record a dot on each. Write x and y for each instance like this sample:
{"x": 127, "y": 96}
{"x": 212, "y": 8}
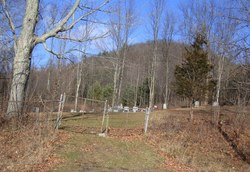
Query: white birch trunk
{"x": 220, "y": 71}
{"x": 167, "y": 84}
{"x": 78, "y": 84}
{"x": 152, "y": 82}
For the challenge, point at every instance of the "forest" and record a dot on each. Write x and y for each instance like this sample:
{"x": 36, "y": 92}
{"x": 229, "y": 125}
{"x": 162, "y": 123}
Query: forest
{"x": 185, "y": 65}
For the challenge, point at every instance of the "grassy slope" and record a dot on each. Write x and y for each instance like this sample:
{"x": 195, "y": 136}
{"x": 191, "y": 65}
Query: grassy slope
{"x": 87, "y": 151}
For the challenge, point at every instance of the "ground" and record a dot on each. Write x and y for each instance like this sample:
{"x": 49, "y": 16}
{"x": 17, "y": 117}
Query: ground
{"x": 172, "y": 143}
{"x": 124, "y": 149}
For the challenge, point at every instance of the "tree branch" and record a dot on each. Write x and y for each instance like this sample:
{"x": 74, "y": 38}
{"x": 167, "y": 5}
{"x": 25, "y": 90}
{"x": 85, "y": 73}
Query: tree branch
{"x": 61, "y": 26}
{"x": 10, "y": 22}
{"x": 58, "y": 55}
{"x": 82, "y": 40}
{"x": 90, "y": 8}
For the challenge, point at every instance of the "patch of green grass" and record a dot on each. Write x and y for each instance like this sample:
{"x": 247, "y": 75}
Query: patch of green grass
{"x": 126, "y": 120}
{"x": 116, "y": 120}
{"x": 88, "y": 152}
{"x": 72, "y": 156}
{"x": 107, "y": 153}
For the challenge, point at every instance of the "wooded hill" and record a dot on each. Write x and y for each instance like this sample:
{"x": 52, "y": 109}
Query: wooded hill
{"x": 97, "y": 76}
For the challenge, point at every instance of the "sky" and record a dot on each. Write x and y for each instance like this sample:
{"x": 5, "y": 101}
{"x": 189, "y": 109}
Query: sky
{"x": 140, "y": 34}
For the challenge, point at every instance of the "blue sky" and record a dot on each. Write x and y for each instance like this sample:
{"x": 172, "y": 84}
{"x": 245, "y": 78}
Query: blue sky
{"x": 140, "y": 34}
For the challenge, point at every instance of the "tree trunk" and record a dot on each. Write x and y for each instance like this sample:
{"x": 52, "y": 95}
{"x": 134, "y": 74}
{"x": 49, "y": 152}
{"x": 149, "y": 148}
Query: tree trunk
{"x": 115, "y": 85}
{"x": 48, "y": 82}
{"x": 22, "y": 60}
{"x": 167, "y": 83}
{"x": 220, "y": 70}
{"x": 152, "y": 85}
{"x": 79, "y": 80}
{"x": 191, "y": 111}
{"x": 121, "y": 75}
{"x": 136, "y": 88}
{"x": 206, "y": 94}
{"x": 152, "y": 82}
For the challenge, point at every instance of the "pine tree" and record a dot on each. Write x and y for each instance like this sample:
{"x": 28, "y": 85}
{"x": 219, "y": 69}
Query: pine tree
{"x": 96, "y": 92}
{"x": 191, "y": 76}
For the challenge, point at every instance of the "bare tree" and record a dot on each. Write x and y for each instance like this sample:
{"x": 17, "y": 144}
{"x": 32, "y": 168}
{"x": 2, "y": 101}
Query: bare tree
{"x": 155, "y": 16}
{"x": 225, "y": 32}
{"x": 121, "y": 30}
{"x": 168, "y": 31}
{"x": 128, "y": 28}
{"x": 25, "y": 43}
{"x": 82, "y": 58}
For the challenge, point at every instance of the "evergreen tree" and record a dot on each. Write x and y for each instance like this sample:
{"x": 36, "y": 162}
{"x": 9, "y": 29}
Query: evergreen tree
{"x": 143, "y": 93}
{"x": 128, "y": 96}
{"x": 96, "y": 92}
{"x": 108, "y": 92}
{"x": 191, "y": 76}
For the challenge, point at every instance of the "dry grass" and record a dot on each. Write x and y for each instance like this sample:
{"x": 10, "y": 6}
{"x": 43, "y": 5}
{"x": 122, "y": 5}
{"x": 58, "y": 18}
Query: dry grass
{"x": 201, "y": 145}
{"x": 25, "y": 144}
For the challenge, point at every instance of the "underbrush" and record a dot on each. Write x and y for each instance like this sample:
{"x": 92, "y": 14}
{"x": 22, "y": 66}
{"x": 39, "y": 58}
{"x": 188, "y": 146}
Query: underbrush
{"x": 25, "y": 142}
{"x": 201, "y": 145}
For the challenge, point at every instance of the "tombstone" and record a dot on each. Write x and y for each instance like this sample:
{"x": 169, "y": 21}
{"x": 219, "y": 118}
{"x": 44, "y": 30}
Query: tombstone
{"x": 72, "y": 111}
{"x": 135, "y": 109}
{"x": 36, "y": 109}
{"x": 92, "y": 111}
{"x": 196, "y": 104}
{"x": 102, "y": 135}
{"x": 126, "y": 109}
{"x": 115, "y": 109}
{"x": 215, "y": 104}
{"x": 110, "y": 109}
{"x": 120, "y": 108}
{"x": 155, "y": 107}
{"x": 82, "y": 111}
{"x": 164, "y": 106}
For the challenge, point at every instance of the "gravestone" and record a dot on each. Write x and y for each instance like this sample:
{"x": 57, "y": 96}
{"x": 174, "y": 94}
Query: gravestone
{"x": 135, "y": 109}
{"x": 196, "y": 104}
{"x": 126, "y": 109}
{"x": 36, "y": 109}
{"x": 164, "y": 106}
{"x": 215, "y": 104}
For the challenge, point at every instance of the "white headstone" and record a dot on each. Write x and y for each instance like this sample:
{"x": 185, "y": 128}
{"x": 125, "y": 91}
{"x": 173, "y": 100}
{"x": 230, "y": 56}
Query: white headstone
{"x": 72, "y": 111}
{"x": 126, "y": 109}
{"x": 196, "y": 104}
{"x": 215, "y": 104}
{"x": 135, "y": 109}
{"x": 102, "y": 134}
{"x": 164, "y": 106}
